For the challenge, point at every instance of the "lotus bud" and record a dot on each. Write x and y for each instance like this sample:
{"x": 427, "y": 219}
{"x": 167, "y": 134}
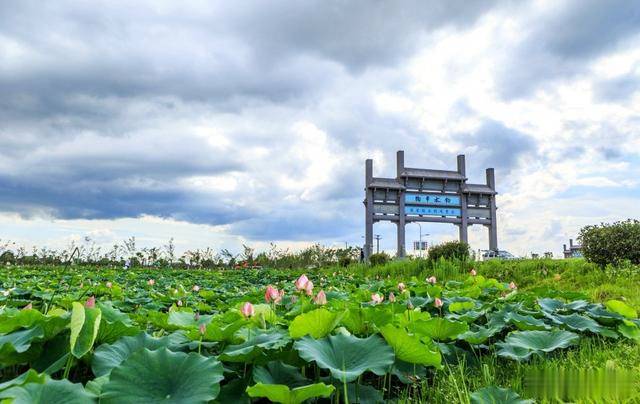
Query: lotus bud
{"x": 512, "y": 286}
{"x": 309, "y": 288}
{"x": 392, "y": 297}
{"x": 301, "y": 283}
{"x": 179, "y": 303}
{"x": 321, "y": 298}
{"x": 437, "y": 303}
{"x": 90, "y": 303}
{"x": 272, "y": 295}
{"x": 473, "y": 272}
{"x": 109, "y": 285}
{"x": 247, "y": 310}
{"x": 432, "y": 280}
{"x": 196, "y": 288}
{"x": 151, "y": 282}
{"x": 202, "y": 328}
{"x": 401, "y": 287}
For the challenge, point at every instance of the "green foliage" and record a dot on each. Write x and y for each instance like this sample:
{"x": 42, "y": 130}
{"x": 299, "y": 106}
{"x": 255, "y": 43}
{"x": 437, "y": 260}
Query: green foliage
{"x": 279, "y": 393}
{"x": 379, "y": 259}
{"x": 613, "y": 243}
{"x": 449, "y": 250}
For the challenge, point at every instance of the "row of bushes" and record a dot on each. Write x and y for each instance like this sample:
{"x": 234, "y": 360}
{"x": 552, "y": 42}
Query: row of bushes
{"x": 614, "y": 243}
{"x": 448, "y": 250}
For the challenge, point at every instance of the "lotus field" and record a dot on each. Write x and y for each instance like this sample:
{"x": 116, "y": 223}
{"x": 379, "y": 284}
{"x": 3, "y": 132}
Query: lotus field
{"x": 83, "y": 335}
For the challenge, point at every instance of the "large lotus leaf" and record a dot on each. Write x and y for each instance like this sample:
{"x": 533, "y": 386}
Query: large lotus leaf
{"x": 536, "y": 341}
{"x": 52, "y": 324}
{"x": 440, "y": 329}
{"x": 407, "y": 317}
{"x": 30, "y": 376}
{"x": 576, "y": 322}
{"x": 405, "y": 371}
{"x": 317, "y": 323}
{"x": 360, "y": 393}
{"x": 550, "y": 305}
{"x": 514, "y": 352}
{"x": 362, "y": 320}
{"x": 468, "y": 316}
{"x": 526, "y": 323}
{"x": 346, "y": 356}
{"x": 85, "y": 323}
{"x": 219, "y": 331}
{"x": 108, "y": 356}
{"x": 598, "y": 313}
{"x": 497, "y": 395}
{"x": 263, "y": 312}
{"x": 629, "y": 330}
{"x": 234, "y": 392}
{"x": 479, "y": 335}
{"x": 51, "y": 392}
{"x": 19, "y": 341}
{"x": 163, "y": 376}
{"x": 279, "y": 393}
{"x": 409, "y": 348}
{"x": 456, "y": 307}
{"x": 621, "y": 308}
{"x": 187, "y": 319}
{"x": 255, "y": 346}
{"x": 277, "y": 372}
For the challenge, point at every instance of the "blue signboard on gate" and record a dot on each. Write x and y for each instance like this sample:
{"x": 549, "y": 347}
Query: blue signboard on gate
{"x": 428, "y": 211}
{"x": 431, "y": 199}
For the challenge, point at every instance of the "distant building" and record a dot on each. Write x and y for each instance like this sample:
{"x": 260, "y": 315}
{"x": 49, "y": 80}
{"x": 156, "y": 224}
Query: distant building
{"x": 420, "y": 246}
{"x": 574, "y": 250}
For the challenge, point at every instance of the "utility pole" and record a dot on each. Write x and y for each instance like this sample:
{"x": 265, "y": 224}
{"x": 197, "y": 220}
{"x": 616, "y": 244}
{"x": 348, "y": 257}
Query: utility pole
{"x": 377, "y": 237}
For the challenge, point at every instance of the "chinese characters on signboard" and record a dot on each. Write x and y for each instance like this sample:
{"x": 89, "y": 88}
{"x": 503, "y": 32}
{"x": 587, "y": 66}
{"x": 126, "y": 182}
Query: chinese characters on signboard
{"x": 432, "y": 199}
{"x": 418, "y": 210}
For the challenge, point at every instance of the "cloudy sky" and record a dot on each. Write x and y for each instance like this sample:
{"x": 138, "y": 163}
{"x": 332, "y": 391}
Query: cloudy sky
{"x": 222, "y": 123}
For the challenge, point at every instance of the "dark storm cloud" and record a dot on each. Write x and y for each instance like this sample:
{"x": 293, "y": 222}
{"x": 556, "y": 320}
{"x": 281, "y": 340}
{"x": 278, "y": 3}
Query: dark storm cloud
{"x": 562, "y": 42}
{"x": 495, "y": 145}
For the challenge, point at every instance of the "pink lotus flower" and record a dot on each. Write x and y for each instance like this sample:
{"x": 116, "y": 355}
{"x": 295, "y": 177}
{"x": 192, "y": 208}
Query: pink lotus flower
{"x": 179, "y": 303}
{"x": 196, "y": 288}
{"x": 151, "y": 282}
{"x": 513, "y": 286}
{"x": 473, "y": 272}
{"x": 437, "y": 302}
{"x": 301, "y": 283}
{"x": 202, "y": 328}
{"x": 309, "y": 288}
{"x": 321, "y": 298}
{"x": 247, "y": 310}
{"x": 377, "y": 298}
{"x": 392, "y": 297}
{"x": 109, "y": 285}
{"x": 28, "y": 307}
{"x": 90, "y": 303}
{"x": 401, "y": 287}
{"x": 272, "y": 295}
{"x": 432, "y": 280}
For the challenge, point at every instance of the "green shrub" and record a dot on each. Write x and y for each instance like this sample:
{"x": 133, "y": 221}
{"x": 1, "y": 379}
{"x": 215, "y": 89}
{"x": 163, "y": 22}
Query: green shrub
{"x": 612, "y": 243}
{"x": 449, "y": 250}
{"x": 379, "y": 259}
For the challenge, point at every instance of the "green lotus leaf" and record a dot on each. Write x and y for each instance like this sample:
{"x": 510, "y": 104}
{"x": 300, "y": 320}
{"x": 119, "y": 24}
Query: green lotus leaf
{"x": 30, "y": 376}
{"x": 317, "y": 323}
{"x": 51, "y": 392}
{"x": 109, "y": 356}
{"x": 468, "y": 316}
{"x": 440, "y": 329}
{"x": 95, "y": 386}
{"x": 621, "y": 308}
{"x": 13, "y": 319}
{"x": 360, "y": 393}
{"x": 550, "y": 305}
{"x": 263, "y": 312}
{"x": 407, "y": 317}
{"x": 218, "y": 331}
{"x": 279, "y": 393}
{"x": 598, "y": 313}
{"x": 576, "y": 322}
{"x": 409, "y": 348}
{"x": 526, "y": 323}
{"x": 277, "y": 372}
{"x": 187, "y": 319}
{"x": 456, "y": 307}
{"x": 163, "y": 376}
{"x": 405, "y": 371}
{"x": 85, "y": 323}
{"x": 255, "y": 346}
{"x": 494, "y": 395}
{"x": 479, "y": 335}
{"x": 514, "y": 352}
{"x": 518, "y": 343}
{"x": 346, "y": 356}
{"x": 19, "y": 341}
{"x": 629, "y": 330}
{"x": 362, "y": 320}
